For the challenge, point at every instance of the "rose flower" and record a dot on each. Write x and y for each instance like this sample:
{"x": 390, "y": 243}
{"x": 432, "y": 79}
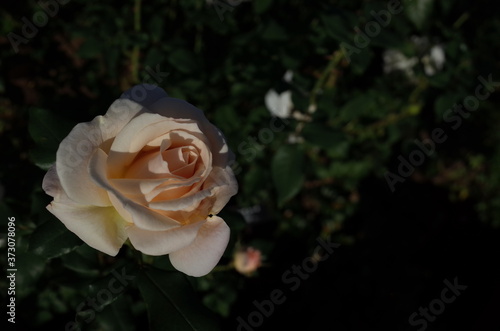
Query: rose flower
{"x": 153, "y": 170}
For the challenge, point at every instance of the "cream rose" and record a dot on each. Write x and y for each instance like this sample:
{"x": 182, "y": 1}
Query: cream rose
{"x": 155, "y": 171}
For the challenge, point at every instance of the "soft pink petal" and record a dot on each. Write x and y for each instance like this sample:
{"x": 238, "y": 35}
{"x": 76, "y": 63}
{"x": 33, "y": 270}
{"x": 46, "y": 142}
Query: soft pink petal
{"x": 163, "y": 242}
{"x": 145, "y": 128}
{"x": 199, "y": 258}
{"x": 51, "y": 184}
{"x": 140, "y": 215}
{"x": 76, "y": 149}
{"x": 99, "y": 227}
{"x": 187, "y": 203}
{"x": 224, "y": 186}
{"x": 182, "y": 110}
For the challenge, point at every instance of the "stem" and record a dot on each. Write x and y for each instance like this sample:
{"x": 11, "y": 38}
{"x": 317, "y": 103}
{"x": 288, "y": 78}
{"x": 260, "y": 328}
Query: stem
{"x": 334, "y": 61}
{"x": 461, "y": 20}
{"x": 134, "y": 59}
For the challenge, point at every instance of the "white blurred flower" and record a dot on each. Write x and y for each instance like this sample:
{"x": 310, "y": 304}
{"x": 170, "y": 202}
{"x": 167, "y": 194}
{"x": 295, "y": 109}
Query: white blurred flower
{"x": 434, "y": 61}
{"x": 395, "y": 60}
{"x": 432, "y": 58}
{"x": 288, "y": 76}
{"x": 280, "y": 105}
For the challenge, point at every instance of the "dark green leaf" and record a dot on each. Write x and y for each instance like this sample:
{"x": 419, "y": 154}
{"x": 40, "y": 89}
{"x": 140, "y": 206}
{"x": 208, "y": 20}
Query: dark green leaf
{"x": 322, "y": 136}
{"x": 419, "y": 12}
{"x": 287, "y": 172}
{"x": 82, "y": 260}
{"x": 339, "y": 27}
{"x": 443, "y": 103}
{"x": 53, "y": 239}
{"x": 43, "y": 158}
{"x": 29, "y": 269}
{"x": 117, "y": 316}
{"x": 361, "y": 61}
{"x": 106, "y": 290}
{"x": 90, "y": 48}
{"x": 274, "y": 31}
{"x": 182, "y": 60}
{"x": 172, "y": 303}
{"x": 261, "y": 6}
{"x": 357, "y": 107}
{"x": 46, "y": 129}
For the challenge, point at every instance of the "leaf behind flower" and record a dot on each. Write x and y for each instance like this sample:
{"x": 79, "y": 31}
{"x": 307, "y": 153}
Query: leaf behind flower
{"x": 172, "y": 303}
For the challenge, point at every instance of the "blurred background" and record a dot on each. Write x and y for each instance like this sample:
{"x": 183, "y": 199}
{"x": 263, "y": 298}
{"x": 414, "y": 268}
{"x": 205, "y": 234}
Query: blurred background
{"x": 373, "y": 125}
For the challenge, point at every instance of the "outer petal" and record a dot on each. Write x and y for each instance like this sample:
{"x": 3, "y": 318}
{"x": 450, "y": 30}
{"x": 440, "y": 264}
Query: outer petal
{"x": 157, "y": 101}
{"x": 225, "y": 186}
{"x": 163, "y": 242}
{"x": 181, "y": 109}
{"x": 100, "y": 227}
{"x": 199, "y": 258}
{"x": 51, "y": 184}
{"x": 76, "y": 149}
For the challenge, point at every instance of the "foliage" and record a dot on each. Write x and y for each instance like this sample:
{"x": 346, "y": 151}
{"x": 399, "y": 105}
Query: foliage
{"x": 322, "y": 172}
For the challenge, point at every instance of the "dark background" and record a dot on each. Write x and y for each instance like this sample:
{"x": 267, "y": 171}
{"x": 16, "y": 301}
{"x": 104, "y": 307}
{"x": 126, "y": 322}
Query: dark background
{"x": 320, "y": 177}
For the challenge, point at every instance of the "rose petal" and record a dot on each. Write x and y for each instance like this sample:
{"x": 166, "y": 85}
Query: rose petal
{"x": 180, "y": 109}
{"x": 200, "y": 257}
{"x": 147, "y": 128}
{"x": 224, "y": 187}
{"x": 51, "y": 184}
{"x": 163, "y": 242}
{"x": 187, "y": 203}
{"x": 144, "y": 94}
{"x": 140, "y": 215}
{"x": 99, "y": 227}
{"x": 77, "y": 148}
{"x": 157, "y": 101}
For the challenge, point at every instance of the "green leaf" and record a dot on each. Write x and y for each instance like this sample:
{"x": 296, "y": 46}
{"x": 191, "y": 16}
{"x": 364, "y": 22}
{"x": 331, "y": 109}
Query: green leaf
{"x": 82, "y": 260}
{"x": 153, "y": 58}
{"x": 322, "y": 136}
{"x": 443, "y": 103}
{"x": 122, "y": 276}
{"x": 274, "y": 31}
{"x": 260, "y": 6}
{"x": 183, "y": 60}
{"x": 172, "y": 303}
{"x": 29, "y": 269}
{"x": 47, "y": 131}
{"x": 340, "y": 26}
{"x": 91, "y": 48}
{"x": 359, "y": 106}
{"x": 53, "y": 239}
{"x": 419, "y": 12}
{"x": 42, "y": 157}
{"x": 117, "y": 316}
{"x": 287, "y": 173}
{"x": 156, "y": 27}
{"x": 361, "y": 61}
